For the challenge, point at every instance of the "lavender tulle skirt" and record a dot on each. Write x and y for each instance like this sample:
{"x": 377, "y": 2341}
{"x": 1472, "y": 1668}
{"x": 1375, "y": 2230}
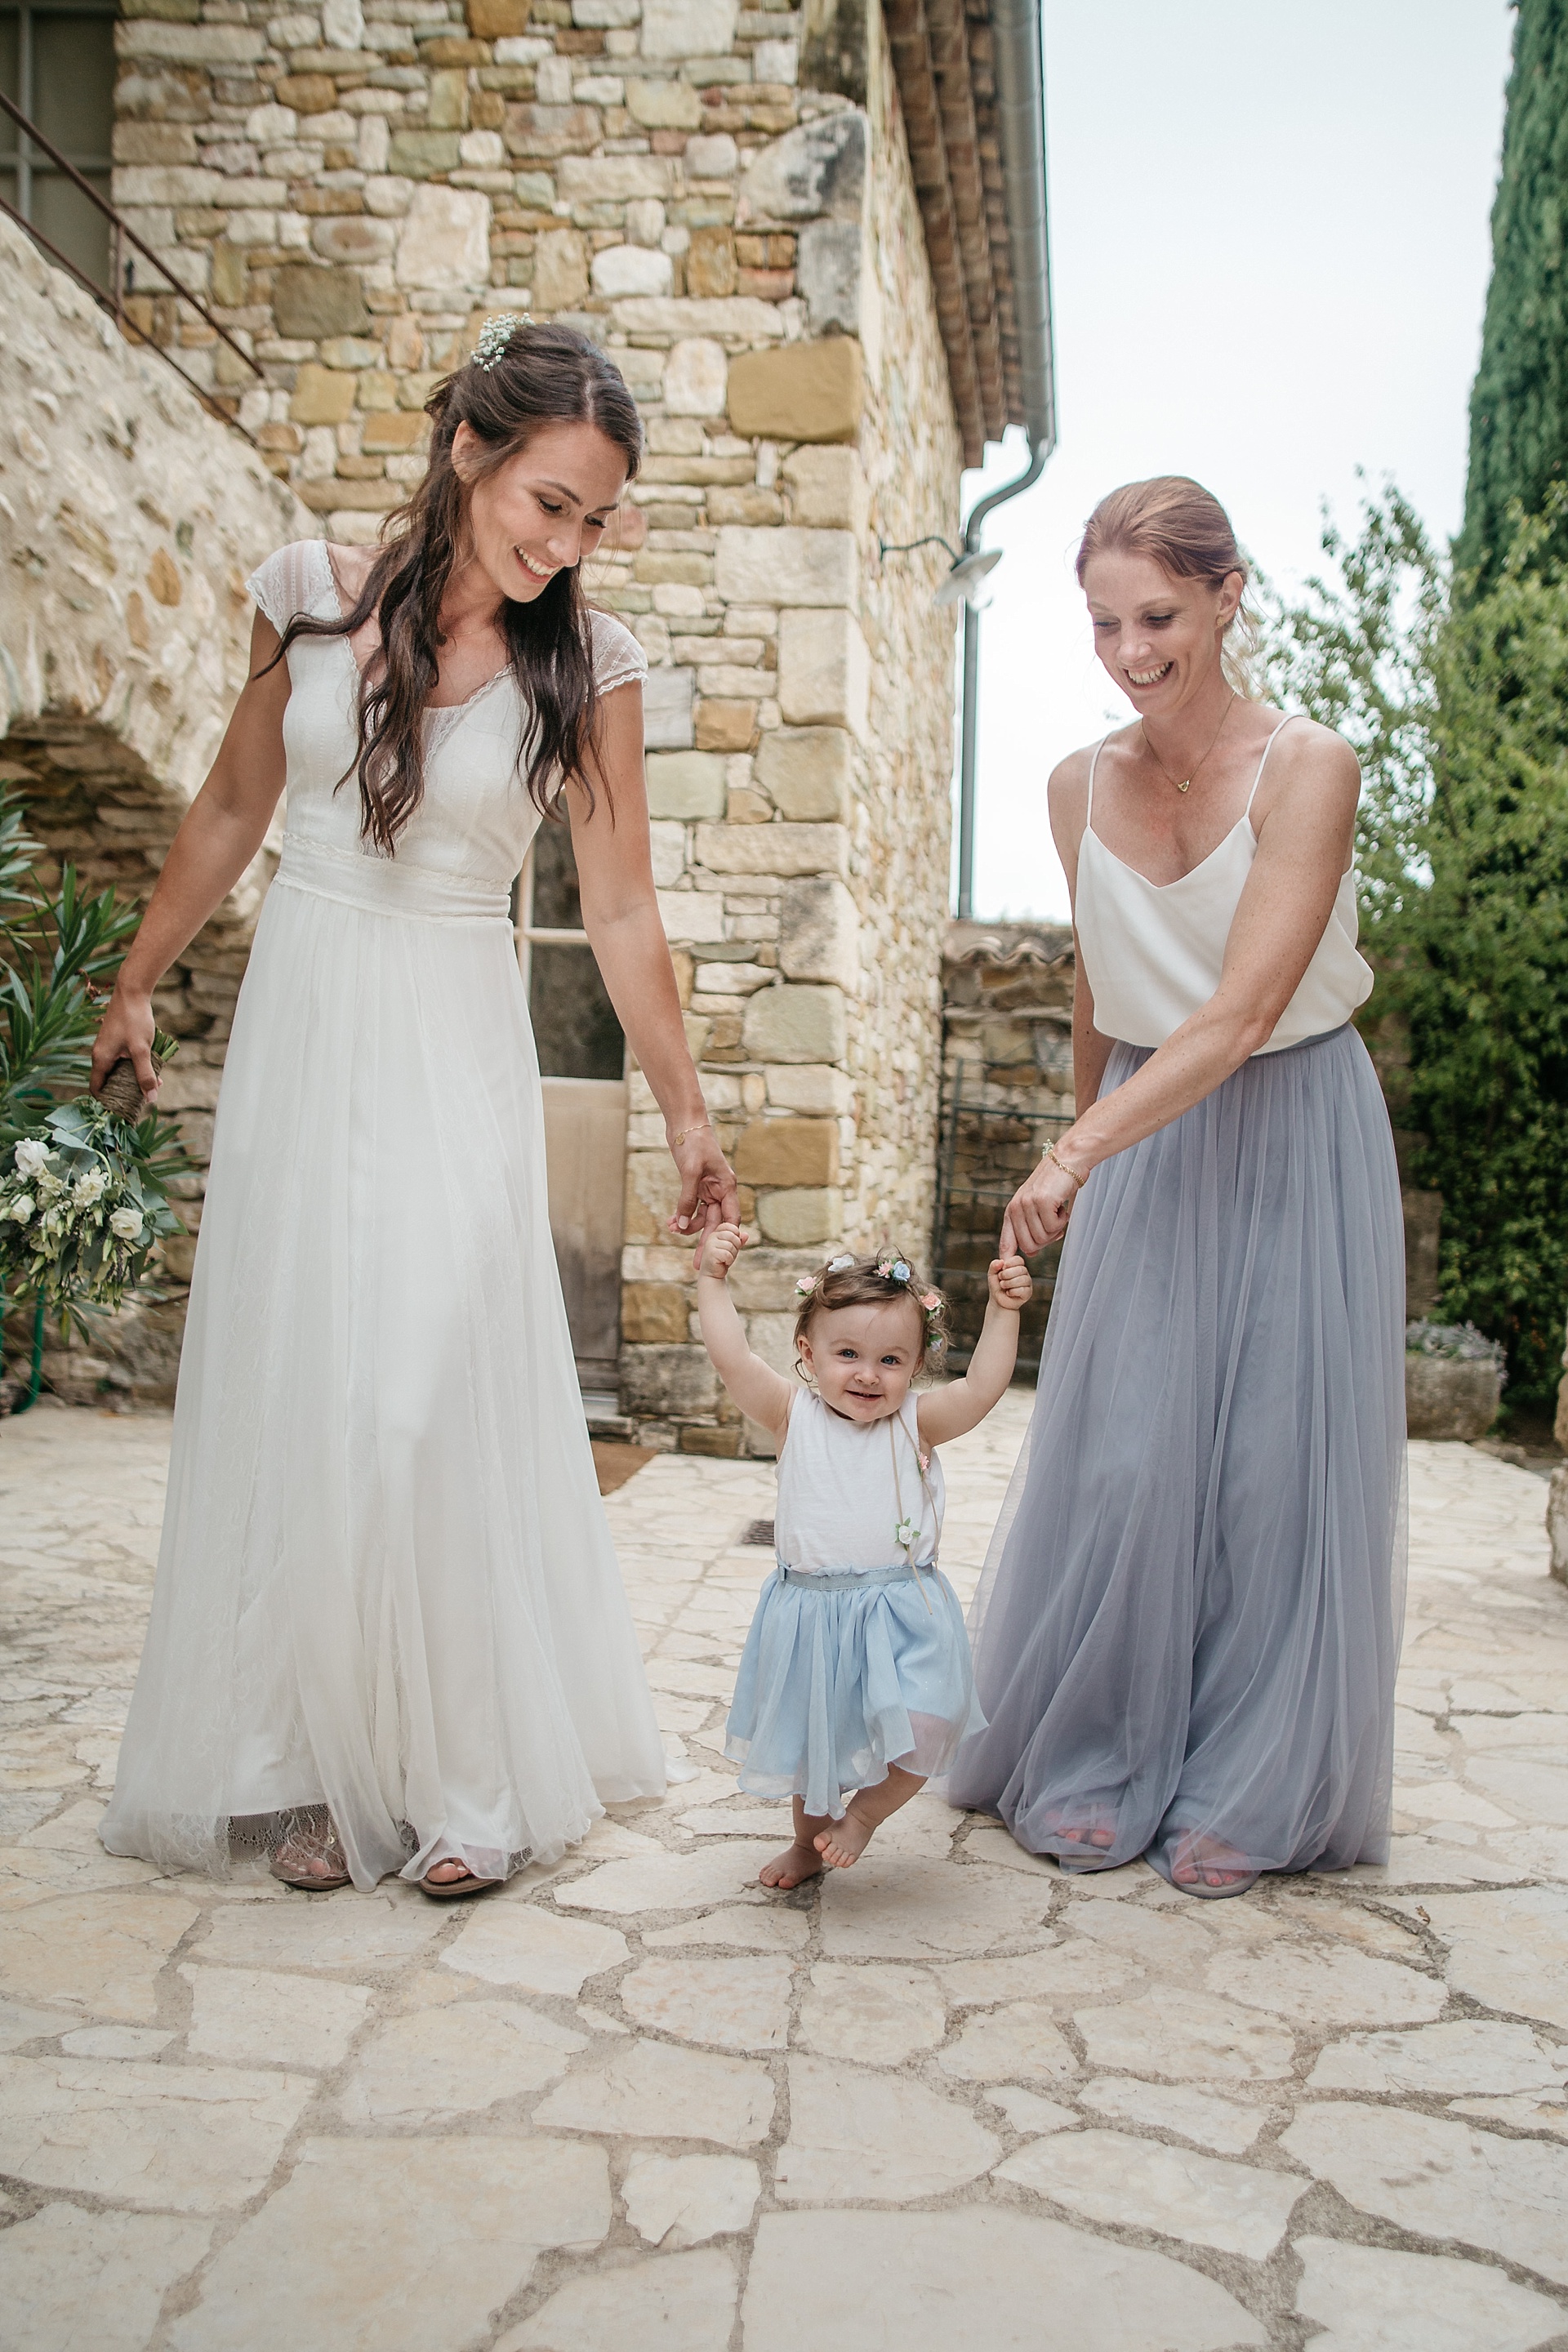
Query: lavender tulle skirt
{"x": 1188, "y": 1626}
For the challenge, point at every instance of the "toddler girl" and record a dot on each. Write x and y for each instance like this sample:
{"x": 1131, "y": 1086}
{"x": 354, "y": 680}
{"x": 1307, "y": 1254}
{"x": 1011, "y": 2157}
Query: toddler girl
{"x": 856, "y": 1680}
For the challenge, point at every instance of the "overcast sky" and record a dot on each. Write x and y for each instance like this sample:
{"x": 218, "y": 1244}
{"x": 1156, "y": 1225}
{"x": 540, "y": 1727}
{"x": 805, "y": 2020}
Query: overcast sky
{"x": 1269, "y": 246}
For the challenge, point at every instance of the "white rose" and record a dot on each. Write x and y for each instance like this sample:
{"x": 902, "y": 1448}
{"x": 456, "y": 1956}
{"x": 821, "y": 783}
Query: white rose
{"x": 30, "y": 1156}
{"x": 89, "y": 1188}
{"x": 20, "y": 1208}
{"x": 125, "y": 1225}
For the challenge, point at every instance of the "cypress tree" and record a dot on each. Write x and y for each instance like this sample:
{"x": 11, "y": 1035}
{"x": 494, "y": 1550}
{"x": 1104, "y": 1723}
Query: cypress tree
{"x": 1518, "y": 405}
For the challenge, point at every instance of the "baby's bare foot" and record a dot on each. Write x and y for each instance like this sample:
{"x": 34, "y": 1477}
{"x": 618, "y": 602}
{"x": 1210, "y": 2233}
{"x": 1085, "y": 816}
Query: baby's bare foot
{"x": 843, "y": 1843}
{"x": 792, "y": 1868}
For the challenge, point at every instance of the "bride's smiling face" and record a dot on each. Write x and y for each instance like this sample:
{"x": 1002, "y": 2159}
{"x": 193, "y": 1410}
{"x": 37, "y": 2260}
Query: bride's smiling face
{"x": 542, "y": 511}
{"x": 1158, "y": 637}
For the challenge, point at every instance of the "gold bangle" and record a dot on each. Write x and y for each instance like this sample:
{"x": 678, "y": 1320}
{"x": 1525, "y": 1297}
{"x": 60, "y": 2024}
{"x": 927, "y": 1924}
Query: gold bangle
{"x": 1052, "y": 1153}
{"x": 695, "y": 1129}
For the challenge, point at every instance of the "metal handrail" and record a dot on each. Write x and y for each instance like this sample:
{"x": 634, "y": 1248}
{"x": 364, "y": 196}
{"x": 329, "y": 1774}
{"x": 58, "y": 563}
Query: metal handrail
{"x": 113, "y": 301}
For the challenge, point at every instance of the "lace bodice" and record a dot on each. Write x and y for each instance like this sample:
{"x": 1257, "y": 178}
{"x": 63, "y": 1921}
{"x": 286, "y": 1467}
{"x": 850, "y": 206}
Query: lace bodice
{"x": 477, "y": 819}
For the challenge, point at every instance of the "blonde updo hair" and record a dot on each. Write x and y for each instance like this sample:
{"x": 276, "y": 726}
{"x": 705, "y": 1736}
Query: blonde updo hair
{"x": 1184, "y": 530}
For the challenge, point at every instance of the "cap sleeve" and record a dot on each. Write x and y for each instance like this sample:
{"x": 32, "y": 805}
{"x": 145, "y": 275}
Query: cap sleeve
{"x": 291, "y": 581}
{"x": 618, "y": 660}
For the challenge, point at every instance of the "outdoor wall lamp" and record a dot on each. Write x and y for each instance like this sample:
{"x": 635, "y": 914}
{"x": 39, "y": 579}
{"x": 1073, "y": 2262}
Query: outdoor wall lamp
{"x": 965, "y": 573}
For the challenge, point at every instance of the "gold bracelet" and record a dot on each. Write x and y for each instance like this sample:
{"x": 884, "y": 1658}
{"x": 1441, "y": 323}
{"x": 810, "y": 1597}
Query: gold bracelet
{"x": 1052, "y": 1153}
{"x": 695, "y": 1129}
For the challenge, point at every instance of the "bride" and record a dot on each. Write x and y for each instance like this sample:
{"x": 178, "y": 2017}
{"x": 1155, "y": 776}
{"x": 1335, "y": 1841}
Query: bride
{"x": 389, "y": 1632}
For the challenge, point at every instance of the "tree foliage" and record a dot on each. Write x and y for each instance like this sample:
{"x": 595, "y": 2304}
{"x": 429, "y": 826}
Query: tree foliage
{"x": 1457, "y": 707}
{"x": 1519, "y": 404}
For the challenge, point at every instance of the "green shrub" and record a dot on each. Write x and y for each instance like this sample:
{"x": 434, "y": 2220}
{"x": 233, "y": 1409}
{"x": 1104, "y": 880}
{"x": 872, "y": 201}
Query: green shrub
{"x": 1458, "y": 705}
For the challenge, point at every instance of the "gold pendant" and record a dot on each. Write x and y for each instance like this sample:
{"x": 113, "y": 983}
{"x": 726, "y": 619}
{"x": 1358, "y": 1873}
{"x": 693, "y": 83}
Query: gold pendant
{"x": 1186, "y": 787}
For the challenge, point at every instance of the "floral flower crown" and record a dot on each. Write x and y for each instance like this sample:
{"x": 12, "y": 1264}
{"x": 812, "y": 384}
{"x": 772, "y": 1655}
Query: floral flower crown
{"x": 495, "y": 337}
{"x": 889, "y": 1269}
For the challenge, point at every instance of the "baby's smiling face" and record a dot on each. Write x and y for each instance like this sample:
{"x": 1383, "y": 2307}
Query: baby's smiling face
{"x": 864, "y": 1357}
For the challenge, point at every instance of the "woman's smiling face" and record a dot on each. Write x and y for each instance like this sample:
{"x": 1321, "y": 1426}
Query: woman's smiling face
{"x": 1158, "y": 637}
{"x": 543, "y": 510}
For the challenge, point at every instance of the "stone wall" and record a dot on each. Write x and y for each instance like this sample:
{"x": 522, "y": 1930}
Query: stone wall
{"x": 353, "y": 188}
{"x": 1006, "y": 1070}
{"x": 129, "y": 518}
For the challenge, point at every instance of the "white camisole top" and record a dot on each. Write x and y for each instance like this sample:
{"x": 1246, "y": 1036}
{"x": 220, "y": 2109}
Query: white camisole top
{"x": 1153, "y": 950}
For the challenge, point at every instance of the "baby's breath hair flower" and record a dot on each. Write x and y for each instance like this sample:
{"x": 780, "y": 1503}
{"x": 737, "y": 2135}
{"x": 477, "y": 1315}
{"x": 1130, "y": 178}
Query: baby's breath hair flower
{"x": 495, "y": 337}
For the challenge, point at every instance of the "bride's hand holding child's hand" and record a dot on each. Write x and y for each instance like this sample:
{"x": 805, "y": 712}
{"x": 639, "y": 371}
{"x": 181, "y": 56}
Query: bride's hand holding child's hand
{"x": 1009, "y": 1283}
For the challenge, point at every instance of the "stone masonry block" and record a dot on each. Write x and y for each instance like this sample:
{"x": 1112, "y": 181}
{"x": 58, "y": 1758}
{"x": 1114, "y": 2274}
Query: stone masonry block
{"x": 816, "y": 170}
{"x": 807, "y": 392}
{"x": 805, "y": 771}
{"x": 498, "y": 20}
{"x": 827, "y": 273}
{"x": 819, "y": 933}
{"x": 772, "y": 848}
{"x": 445, "y": 241}
{"x": 632, "y": 270}
{"x": 688, "y": 28}
{"x": 696, "y": 378}
{"x": 612, "y": 179}
{"x": 560, "y": 271}
{"x": 726, "y": 725}
{"x": 762, "y": 1280}
{"x": 654, "y": 1314}
{"x": 829, "y": 489}
{"x": 664, "y": 105}
{"x": 321, "y": 395}
{"x": 788, "y": 1151}
{"x": 685, "y": 784}
{"x": 794, "y": 1024}
{"x": 787, "y": 566}
{"x": 825, "y": 670}
{"x": 308, "y": 304}
{"x": 667, "y": 711}
{"x": 812, "y": 1086}
{"x": 798, "y": 1218}
{"x": 692, "y": 916}
{"x": 668, "y": 1379}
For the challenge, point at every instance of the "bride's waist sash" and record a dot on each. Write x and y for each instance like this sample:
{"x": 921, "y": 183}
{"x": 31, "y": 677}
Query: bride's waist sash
{"x": 389, "y": 885}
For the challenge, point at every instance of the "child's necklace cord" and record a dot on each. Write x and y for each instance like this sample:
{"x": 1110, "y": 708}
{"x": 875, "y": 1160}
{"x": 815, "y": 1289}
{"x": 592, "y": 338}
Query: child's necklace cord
{"x": 906, "y": 1532}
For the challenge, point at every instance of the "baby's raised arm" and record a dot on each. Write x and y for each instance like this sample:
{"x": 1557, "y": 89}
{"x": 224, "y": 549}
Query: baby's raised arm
{"x": 754, "y": 1386}
{"x": 962, "y": 1405}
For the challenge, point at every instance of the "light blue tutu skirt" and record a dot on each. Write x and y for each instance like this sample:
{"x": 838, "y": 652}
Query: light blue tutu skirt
{"x": 842, "y": 1676}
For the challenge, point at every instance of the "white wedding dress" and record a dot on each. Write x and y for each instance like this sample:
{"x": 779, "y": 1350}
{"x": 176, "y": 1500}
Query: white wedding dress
{"x": 386, "y": 1584}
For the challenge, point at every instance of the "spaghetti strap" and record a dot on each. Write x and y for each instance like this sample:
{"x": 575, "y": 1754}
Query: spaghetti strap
{"x": 1286, "y": 721}
{"x": 1094, "y": 763}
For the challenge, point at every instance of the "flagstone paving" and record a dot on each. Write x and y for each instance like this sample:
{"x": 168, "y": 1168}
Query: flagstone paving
{"x": 949, "y": 2098}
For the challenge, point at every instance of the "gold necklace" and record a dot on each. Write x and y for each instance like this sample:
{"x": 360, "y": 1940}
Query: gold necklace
{"x": 1197, "y": 764}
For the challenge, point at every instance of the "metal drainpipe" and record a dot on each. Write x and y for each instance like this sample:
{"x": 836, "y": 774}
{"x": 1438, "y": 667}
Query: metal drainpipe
{"x": 969, "y": 740}
{"x": 1021, "y": 109}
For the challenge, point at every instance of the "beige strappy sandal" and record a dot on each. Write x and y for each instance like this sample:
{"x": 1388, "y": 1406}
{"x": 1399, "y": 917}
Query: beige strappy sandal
{"x": 452, "y": 1890}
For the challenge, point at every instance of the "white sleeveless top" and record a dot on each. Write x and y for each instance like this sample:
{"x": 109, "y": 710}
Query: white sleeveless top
{"x": 1153, "y": 950}
{"x": 839, "y": 1499}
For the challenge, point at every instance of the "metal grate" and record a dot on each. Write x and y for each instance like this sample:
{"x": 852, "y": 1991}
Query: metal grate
{"x": 761, "y": 1533}
{"x": 986, "y": 1152}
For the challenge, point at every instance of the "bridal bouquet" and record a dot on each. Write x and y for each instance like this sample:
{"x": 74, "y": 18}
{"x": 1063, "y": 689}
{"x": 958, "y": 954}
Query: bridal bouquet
{"x": 83, "y": 1202}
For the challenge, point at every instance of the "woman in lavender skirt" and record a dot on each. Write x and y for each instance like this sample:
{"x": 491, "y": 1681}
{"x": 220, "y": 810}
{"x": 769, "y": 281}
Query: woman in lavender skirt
{"x": 1188, "y": 1627}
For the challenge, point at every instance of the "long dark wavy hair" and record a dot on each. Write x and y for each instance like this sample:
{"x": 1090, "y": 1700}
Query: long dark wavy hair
{"x": 546, "y": 375}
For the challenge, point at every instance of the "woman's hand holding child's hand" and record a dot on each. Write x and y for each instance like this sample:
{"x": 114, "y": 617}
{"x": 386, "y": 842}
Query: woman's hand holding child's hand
{"x": 1009, "y": 1283}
